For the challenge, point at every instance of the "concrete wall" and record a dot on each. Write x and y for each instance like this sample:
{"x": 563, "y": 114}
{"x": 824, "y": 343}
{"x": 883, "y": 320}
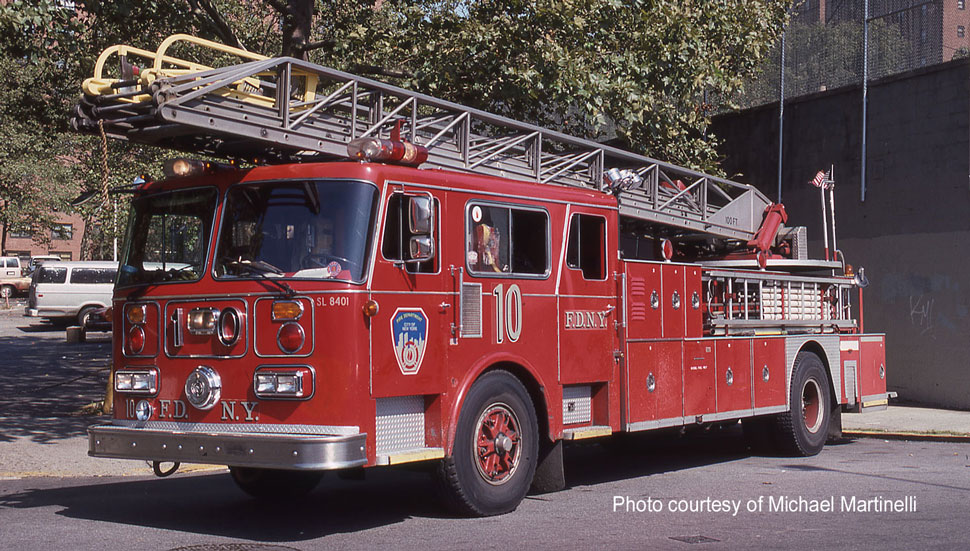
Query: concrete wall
{"x": 912, "y": 232}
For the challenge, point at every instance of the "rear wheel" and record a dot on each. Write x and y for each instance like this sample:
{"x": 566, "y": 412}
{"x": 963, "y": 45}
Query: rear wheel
{"x": 804, "y": 429}
{"x": 496, "y": 444}
{"x": 6, "y": 291}
{"x": 275, "y": 483}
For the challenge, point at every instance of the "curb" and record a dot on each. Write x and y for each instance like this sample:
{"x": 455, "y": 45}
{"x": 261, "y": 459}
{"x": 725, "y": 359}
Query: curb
{"x": 903, "y": 435}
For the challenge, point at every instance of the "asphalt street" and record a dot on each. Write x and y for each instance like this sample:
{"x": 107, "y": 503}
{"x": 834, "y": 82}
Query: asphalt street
{"x": 661, "y": 492}
{"x": 916, "y": 494}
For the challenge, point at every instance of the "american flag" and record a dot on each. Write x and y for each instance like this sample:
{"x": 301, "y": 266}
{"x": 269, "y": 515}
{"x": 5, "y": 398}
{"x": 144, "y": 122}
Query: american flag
{"x": 819, "y": 179}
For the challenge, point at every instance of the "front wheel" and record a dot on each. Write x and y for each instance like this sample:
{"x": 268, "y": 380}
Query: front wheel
{"x": 495, "y": 448}
{"x": 804, "y": 428}
{"x": 275, "y": 483}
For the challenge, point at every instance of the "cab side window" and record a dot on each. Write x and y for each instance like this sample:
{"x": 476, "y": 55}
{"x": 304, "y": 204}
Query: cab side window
{"x": 395, "y": 244}
{"x": 507, "y": 240}
{"x": 586, "y": 248}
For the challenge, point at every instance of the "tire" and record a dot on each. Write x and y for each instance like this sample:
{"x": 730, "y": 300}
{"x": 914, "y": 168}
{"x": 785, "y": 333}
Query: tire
{"x": 495, "y": 449}
{"x": 6, "y": 291}
{"x": 803, "y": 430}
{"x": 84, "y": 314}
{"x": 275, "y": 484}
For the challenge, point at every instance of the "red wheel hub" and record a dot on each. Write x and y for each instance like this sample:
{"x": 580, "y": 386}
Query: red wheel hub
{"x": 497, "y": 449}
{"x": 811, "y": 406}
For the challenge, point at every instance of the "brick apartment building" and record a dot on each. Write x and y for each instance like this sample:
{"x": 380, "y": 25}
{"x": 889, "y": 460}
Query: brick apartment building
{"x": 936, "y": 29}
{"x": 63, "y": 239}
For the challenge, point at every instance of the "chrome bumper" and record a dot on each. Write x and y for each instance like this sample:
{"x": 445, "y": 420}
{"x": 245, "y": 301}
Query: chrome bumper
{"x": 273, "y": 451}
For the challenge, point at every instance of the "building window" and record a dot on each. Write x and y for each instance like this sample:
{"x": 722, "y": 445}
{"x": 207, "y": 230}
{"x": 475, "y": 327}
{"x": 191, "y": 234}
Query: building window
{"x": 961, "y": 31}
{"x": 21, "y": 232}
{"x": 62, "y": 231}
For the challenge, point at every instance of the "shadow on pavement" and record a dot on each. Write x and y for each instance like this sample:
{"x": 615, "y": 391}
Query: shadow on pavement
{"x": 210, "y": 504}
{"x": 644, "y": 454}
{"x": 45, "y": 381}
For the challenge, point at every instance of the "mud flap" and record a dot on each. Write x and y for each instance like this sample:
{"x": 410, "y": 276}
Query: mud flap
{"x": 835, "y": 425}
{"x": 550, "y": 476}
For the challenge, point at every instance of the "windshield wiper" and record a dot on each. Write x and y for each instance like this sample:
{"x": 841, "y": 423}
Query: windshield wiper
{"x": 261, "y": 269}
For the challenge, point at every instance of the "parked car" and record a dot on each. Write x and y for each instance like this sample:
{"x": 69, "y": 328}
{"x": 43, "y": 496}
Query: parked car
{"x": 70, "y": 291}
{"x": 11, "y": 277}
{"x": 39, "y": 259}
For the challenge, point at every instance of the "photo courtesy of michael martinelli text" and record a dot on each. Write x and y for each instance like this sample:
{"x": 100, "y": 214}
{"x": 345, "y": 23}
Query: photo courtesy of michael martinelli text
{"x": 766, "y": 504}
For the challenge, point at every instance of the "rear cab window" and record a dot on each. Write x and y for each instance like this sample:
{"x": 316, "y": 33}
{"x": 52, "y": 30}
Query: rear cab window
{"x": 507, "y": 240}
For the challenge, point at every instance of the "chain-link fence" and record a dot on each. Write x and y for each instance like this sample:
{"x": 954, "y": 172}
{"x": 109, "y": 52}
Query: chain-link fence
{"x": 826, "y": 41}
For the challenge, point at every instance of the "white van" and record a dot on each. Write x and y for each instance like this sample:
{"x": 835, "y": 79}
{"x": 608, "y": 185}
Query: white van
{"x": 70, "y": 290}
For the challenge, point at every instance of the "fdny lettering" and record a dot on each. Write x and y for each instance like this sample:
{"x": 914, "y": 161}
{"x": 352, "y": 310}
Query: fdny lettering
{"x": 174, "y": 409}
{"x": 229, "y": 411}
{"x": 583, "y": 319}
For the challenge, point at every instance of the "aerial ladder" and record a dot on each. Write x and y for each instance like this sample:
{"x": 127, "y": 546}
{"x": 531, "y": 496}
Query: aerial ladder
{"x": 288, "y": 110}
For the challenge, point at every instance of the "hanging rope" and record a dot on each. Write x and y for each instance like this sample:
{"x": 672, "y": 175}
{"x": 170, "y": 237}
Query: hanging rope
{"x": 104, "y": 161}
{"x": 105, "y": 173}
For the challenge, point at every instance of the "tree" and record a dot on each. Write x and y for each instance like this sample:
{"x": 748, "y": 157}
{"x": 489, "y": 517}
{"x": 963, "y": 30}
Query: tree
{"x": 631, "y": 72}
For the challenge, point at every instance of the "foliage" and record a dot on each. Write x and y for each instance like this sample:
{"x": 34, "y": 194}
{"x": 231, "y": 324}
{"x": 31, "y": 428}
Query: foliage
{"x": 632, "y": 72}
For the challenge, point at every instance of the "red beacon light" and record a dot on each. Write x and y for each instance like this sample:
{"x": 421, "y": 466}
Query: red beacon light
{"x": 394, "y": 150}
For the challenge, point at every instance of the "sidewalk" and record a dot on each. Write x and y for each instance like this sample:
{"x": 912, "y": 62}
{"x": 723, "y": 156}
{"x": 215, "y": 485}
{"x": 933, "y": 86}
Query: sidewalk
{"x": 909, "y": 423}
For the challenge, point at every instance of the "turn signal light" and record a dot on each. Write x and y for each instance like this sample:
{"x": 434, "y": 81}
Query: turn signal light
{"x": 135, "y": 313}
{"x": 371, "y": 308}
{"x": 287, "y": 310}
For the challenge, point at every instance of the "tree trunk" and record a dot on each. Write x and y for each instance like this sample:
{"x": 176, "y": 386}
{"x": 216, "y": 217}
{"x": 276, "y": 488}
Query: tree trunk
{"x": 296, "y": 28}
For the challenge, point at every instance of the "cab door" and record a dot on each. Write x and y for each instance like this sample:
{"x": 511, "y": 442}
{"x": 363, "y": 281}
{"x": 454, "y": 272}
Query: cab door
{"x": 588, "y": 308}
{"x": 412, "y": 329}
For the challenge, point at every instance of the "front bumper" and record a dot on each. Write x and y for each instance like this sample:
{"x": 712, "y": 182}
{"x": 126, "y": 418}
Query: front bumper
{"x": 249, "y": 449}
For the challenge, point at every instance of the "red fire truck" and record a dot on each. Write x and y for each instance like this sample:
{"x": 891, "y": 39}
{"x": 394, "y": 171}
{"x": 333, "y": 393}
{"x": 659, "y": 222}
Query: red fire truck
{"x": 396, "y": 278}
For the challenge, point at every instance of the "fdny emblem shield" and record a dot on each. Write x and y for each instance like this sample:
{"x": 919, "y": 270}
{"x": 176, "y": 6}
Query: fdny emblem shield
{"x": 409, "y": 329}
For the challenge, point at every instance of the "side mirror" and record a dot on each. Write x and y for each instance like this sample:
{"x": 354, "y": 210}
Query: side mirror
{"x": 421, "y": 216}
{"x": 421, "y": 248}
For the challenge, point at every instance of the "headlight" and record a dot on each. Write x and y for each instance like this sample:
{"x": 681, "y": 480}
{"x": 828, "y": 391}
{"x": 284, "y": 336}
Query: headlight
{"x": 283, "y": 382}
{"x": 136, "y": 381}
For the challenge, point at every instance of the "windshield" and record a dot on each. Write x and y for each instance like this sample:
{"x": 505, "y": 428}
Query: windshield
{"x": 297, "y": 228}
{"x": 168, "y": 236}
